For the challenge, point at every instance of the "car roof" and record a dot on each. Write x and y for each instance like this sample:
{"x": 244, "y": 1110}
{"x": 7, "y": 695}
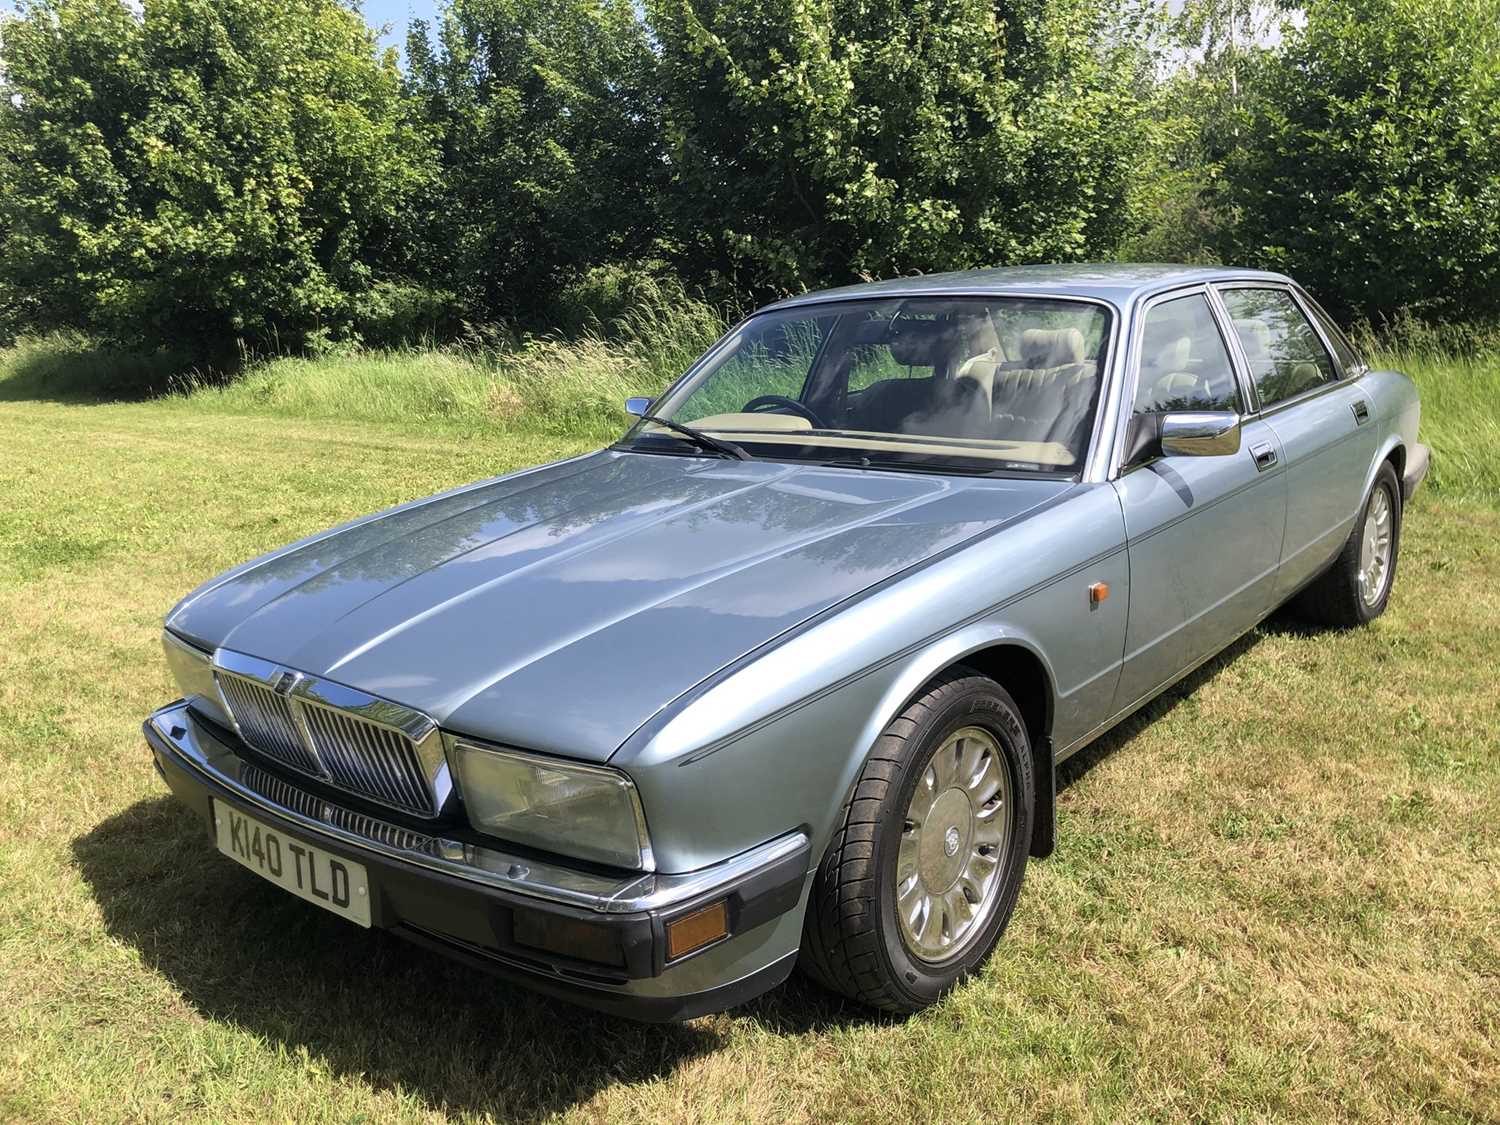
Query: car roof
{"x": 1115, "y": 282}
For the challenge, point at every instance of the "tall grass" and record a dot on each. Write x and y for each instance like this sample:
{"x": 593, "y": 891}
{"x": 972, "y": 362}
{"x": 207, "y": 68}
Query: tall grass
{"x": 73, "y": 367}
{"x": 550, "y": 385}
{"x": 575, "y": 387}
{"x": 1457, "y": 370}
{"x": 1460, "y": 417}
{"x": 568, "y": 387}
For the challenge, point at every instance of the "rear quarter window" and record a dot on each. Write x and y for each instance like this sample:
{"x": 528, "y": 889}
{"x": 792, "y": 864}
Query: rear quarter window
{"x": 1285, "y": 353}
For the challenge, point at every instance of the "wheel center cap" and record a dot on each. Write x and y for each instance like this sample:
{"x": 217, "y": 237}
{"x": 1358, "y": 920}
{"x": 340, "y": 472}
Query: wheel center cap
{"x": 943, "y": 849}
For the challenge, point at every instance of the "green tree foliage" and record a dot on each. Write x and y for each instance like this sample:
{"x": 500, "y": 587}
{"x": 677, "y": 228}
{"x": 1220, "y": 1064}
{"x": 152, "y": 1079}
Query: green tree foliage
{"x": 1212, "y": 52}
{"x": 544, "y": 112}
{"x": 817, "y": 141}
{"x": 1369, "y": 162}
{"x": 200, "y": 173}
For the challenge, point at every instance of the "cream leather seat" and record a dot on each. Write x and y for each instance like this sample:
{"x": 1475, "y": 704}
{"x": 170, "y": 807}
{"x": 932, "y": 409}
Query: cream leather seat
{"x": 1275, "y": 379}
{"x": 1166, "y": 379}
{"x": 975, "y": 377}
{"x": 1048, "y": 395}
{"x": 1047, "y": 348}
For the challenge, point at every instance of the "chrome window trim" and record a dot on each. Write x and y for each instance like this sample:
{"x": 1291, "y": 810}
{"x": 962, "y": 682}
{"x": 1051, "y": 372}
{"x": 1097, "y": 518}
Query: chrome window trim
{"x": 195, "y": 748}
{"x": 1341, "y": 380}
{"x": 1132, "y": 362}
{"x": 1095, "y": 456}
{"x": 1248, "y": 390}
{"x": 1318, "y": 317}
{"x": 1306, "y": 396}
{"x": 311, "y": 691}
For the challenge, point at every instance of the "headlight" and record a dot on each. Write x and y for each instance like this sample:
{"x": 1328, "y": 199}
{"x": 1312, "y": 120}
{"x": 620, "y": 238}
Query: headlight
{"x": 588, "y": 812}
{"x": 192, "y": 668}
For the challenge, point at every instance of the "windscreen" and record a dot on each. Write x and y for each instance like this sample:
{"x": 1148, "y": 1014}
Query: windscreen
{"x": 986, "y": 382}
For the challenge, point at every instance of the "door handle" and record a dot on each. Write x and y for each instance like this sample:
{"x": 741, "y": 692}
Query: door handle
{"x": 1264, "y": 454}
{"x": 1361, "y": 410}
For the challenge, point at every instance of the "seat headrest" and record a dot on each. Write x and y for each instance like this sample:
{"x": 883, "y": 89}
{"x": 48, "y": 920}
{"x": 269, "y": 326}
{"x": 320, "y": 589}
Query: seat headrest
{"x": 980, "y": 338}
{"x": 1175, "y": 356}
{"x": 1256, "y": 337}
{"x": 1051, "y": 347}
{"x": 919, "y": 343}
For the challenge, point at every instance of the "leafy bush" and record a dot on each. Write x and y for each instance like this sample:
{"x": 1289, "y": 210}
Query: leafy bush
{"x": 825, "y": 141}
{"x": 1369, "y": 165}
{"x": 543, "y": 112}
{"x": 596, "y": 300}
{"x": 392, "y": 313}
{"x": 207, "y": 175}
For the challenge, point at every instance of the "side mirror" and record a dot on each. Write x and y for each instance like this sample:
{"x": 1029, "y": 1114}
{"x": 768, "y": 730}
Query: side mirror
{"x": 637, "y": 406}
{"x": 1206, "y": 434}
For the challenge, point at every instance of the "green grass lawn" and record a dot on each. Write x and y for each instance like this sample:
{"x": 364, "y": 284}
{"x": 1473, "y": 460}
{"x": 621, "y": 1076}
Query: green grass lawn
{"x": 1277, "y": 892}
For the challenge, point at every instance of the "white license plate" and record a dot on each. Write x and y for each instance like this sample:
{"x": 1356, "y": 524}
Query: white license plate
{"x": 309, "y": 872}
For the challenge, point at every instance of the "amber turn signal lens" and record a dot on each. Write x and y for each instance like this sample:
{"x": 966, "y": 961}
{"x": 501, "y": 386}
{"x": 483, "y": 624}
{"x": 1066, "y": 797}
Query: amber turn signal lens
{"x": 1098, "y": 592}
{"x": 695, "y": 930}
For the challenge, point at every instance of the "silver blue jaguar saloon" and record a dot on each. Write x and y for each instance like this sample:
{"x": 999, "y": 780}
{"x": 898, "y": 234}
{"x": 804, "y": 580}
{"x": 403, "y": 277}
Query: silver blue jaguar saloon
{"x": 782, "y": 677}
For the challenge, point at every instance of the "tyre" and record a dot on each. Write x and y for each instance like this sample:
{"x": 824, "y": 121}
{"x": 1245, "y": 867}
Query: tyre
{"x": 1355, "y": 589}
{"x": 924, "y": 868}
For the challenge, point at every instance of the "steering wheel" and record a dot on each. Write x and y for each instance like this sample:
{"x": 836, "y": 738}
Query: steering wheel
{"x": 762, "y": 403}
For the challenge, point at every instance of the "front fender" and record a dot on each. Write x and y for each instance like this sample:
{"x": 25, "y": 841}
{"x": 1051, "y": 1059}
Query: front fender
{"x": 776, "y": 744}
{"x": 921, "y": 667}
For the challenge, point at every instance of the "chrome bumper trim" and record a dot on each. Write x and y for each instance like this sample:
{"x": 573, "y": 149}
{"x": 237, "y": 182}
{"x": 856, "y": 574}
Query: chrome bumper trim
{"x": 194, "y": 747}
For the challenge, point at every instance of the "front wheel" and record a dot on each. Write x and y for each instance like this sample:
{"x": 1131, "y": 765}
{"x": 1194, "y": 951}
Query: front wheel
{"x": 1356, "y": 588}
{"x": 924, "y": 869}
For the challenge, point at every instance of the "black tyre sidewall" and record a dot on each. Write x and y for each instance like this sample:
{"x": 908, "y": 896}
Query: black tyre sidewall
{"x": 976, "y": 702}
{"x": 1385, "y": 478}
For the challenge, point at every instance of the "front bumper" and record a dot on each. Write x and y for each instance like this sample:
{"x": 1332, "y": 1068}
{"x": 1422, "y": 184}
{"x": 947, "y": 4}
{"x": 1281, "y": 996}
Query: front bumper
{"x": 471, "y": 902}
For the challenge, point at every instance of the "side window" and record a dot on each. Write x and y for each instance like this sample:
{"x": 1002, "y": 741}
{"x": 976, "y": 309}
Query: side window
{"x": 1348, "y": 359}
{"x": 1185, "y": 364}
{"x": 1285, "y": 354}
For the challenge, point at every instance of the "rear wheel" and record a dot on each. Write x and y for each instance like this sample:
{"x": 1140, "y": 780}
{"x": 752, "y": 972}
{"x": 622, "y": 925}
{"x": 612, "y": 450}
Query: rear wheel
{"x": 924, "y": 869}
{"x": 1357, "y": 587}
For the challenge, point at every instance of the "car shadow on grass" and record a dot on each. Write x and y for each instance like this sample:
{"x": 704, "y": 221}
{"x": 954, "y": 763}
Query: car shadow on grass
{"x": 374, "y": 1008}
{"x": 368, "y": 1005}
{"x": 1107, "y": 745}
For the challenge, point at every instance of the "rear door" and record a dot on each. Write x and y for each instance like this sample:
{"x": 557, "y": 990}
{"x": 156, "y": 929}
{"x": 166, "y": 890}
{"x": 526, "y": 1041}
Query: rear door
{"x": 1321, "y": 416}
{"x": 1204, "y": 532}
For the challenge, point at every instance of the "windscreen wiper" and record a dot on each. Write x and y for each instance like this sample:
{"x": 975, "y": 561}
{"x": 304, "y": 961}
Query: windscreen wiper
{"x": 893, "y": 464}
{"x": 705, "y": 442}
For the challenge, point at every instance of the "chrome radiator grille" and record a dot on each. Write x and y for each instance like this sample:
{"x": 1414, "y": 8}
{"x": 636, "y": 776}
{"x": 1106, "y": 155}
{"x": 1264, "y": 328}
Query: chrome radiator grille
{"x": 266, "y": 722}
{"x": 367, "y": 758}
{"x": 369, "y": 746}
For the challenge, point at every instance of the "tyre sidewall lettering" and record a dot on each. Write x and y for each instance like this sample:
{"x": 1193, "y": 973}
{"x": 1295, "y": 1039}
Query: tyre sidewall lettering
{"x": 977, "y": 704}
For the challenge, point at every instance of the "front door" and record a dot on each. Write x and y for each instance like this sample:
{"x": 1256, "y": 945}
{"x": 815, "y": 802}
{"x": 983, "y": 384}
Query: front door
{"x": 1204, "y": 533}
